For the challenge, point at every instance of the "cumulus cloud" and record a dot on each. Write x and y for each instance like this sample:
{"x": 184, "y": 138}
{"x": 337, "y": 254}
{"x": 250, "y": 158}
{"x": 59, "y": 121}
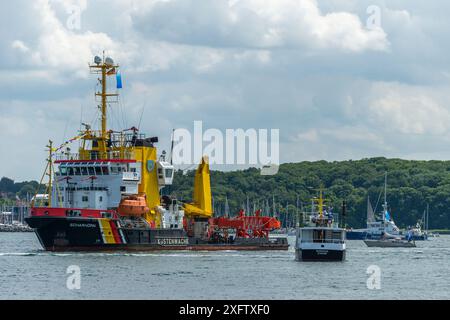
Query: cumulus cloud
{"x": 258, "y": 24}
{"x": 408, "y": 109}
{"x": 335, "y": 89}
{"x": 56, "y": 45}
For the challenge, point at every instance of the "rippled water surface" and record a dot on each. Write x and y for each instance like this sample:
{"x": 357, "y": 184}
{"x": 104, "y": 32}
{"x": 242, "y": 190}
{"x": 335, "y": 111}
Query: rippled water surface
{"x": 28, "y": 272}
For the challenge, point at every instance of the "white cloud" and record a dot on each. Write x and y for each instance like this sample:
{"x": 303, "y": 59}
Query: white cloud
{"x": 19, "y": 45}
{"x": 258, "y": 24}
{"x": 335, "y": 89}
{"x": 57, "y": 46}
{"x": 408, "y": 109}
{"x": 311, "y": 135}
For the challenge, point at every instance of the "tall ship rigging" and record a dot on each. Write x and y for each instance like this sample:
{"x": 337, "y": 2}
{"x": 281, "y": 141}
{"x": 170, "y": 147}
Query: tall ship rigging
{"x": 108, "y": 196}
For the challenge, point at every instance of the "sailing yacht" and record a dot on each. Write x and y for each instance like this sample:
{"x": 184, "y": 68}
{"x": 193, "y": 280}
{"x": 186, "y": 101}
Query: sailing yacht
{"x": 416, "y": 232}
{"x": 376, "y": 227}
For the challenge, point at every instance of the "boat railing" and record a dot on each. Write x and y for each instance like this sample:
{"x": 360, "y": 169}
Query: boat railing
{"x": 326, "y": 220}
{"x": 337, "y": 241}
{"x": 92, "y": 155}
{"x": 84, "y": 187}
{"x": 114, "y": 136}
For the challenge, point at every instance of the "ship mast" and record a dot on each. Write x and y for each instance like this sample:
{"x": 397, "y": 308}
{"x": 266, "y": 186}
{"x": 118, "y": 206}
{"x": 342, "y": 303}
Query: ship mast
{"x": 105, "y": 67}
{"x": 50, "y": 172}
{"x": 320, "y": 202}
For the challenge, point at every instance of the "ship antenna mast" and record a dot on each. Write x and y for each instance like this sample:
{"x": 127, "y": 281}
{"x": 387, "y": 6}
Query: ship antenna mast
{"x": 104, "y": 67}
{"x": 50, "y": 173}
{"x": 320, "y": 202}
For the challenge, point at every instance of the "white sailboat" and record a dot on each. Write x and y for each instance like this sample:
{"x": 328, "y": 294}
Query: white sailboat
{"x": 376, "y": 227}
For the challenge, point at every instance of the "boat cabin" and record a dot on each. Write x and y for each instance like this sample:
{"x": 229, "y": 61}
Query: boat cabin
{"x": 321, "y": 235}
{"x": 94, "y": 184}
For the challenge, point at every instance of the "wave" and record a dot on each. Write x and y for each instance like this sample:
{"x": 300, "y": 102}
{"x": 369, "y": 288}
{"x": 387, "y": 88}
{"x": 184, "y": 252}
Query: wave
{"x": 20, "y": 254}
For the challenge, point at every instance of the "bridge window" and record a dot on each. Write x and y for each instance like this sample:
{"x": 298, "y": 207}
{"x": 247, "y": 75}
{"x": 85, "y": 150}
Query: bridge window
{"x": 105, "y": 171}
{"x": 169, "y": 172}
{"x": 77, "y": 171}
{"x": 91, "y": 171}
{"x": 70, "y": 171}
{"x": 84, "y": 171}
{"x": 63, "y": 171}
{"x": 98, "y": 171}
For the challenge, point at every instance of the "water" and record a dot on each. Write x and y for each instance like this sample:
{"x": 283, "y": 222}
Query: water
{"x": 27, "y": 272}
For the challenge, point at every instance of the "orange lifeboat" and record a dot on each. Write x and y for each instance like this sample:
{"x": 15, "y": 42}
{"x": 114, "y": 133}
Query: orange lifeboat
{"x": 134, "y": 205}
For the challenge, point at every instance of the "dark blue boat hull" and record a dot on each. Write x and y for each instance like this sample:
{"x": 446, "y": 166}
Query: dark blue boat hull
{"x": 358, "y": 235}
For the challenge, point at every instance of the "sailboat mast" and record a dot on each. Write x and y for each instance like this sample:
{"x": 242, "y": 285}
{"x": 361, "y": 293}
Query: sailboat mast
{"x": 385, "y": 189}
{"x": 227, "y": 207}
{"x": 273, "y": 205}
{"x": 247, "y": 208}
{"x": 171, "y": 150}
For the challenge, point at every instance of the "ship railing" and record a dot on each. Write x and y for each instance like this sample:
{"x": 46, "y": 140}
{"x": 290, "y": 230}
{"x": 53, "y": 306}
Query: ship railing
{"x": 313, "y": 219}
{"x": 84, "y": 187}
{"x": 337, "y": 241}
{"x": 118, "y": 138}
{"x": 94, "y": 155}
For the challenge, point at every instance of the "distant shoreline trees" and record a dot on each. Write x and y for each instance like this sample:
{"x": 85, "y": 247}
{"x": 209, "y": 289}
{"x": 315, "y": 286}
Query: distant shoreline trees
{"x": 411, "y": 186}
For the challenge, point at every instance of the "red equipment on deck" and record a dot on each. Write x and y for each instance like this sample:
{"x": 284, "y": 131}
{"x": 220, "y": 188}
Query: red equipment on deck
{"x": 246, "y": 226}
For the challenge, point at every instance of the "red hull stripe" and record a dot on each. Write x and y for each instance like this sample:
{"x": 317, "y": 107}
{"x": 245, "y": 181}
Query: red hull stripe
{"x": 62, "y": 212}
{"x": 114, "y": 231}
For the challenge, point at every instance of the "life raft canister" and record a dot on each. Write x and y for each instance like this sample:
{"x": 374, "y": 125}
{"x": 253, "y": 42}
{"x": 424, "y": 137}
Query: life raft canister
{"x": 133, "y": 206}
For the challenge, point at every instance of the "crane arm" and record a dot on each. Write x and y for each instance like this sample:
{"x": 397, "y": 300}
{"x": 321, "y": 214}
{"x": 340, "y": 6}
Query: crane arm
{"x": 201, "y": 206}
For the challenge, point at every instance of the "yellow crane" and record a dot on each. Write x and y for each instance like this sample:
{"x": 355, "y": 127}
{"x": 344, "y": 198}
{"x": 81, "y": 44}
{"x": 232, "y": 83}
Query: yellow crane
{"x": 201, "y": 206}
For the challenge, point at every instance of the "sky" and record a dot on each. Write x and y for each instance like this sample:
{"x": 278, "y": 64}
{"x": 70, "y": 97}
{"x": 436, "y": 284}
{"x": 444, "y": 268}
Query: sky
{"x": 340, "y": 79}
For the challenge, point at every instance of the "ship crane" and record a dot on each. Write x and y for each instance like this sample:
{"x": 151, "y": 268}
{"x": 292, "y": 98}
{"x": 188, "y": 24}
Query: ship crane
{"x": 255, "y": 226}
{"x": 199, "y": 220}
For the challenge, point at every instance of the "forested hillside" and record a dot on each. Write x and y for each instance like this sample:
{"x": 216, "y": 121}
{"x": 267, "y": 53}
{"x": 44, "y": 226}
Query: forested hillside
{"x": 411, "y": 185}
{"x": 11, "y": 191}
